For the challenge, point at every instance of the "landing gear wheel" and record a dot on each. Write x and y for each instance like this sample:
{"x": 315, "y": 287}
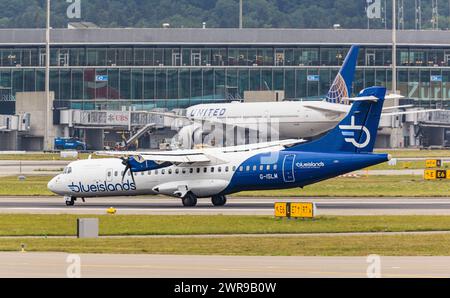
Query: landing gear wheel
{"x": 189, "y": 200}
{"x": 219, "y": 200}
{"x": 70, "y": 201}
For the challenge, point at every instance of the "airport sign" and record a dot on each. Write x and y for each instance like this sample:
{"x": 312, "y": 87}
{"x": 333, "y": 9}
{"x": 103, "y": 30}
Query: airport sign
{"x": 302, "y": 210}
{"x": 295, "y": 210}
{"x": 436, "y": 78}
{"x": 281, "y": 210}
{"x": 313, "y": 78}
{"x": 433, "y": 163}
{"x": 436, "y": 174}
{"x": 101, "y": 78}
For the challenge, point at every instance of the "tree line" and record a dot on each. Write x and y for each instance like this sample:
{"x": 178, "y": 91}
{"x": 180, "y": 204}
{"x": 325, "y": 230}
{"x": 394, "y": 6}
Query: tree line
{"x": 216, "y": 13}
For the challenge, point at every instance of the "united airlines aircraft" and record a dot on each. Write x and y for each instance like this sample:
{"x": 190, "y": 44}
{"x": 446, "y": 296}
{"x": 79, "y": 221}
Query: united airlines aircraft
{"x": 217, "y": 172}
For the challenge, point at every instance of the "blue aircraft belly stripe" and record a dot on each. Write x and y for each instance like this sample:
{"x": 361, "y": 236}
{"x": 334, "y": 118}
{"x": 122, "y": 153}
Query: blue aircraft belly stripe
{"x": 309, "y": 168}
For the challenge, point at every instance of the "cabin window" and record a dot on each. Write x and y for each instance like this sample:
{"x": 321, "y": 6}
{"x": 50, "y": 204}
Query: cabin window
{"x": 156, "y": 172}
{"x": 241, "y": 169}
{"x": 109, "y": 174}
{"x": 247, "y": 168}
{"x": 219, "y": 169}
{"x": 163, "y": 172}
{"x": 268, "y": 168}
{"x": 183, "y": 171}
{"x": 205, "y": 170}
{"x": 261, "y": 168}
{"x": 212, "y": 170}
{"x": 170, "y": 172}
{"x": 191, "y": 170}
{"x": 234, "y": 169}
{"x": 198, "y": 170}
{"x": 275, "y": 167}
{"x": 177, "y": 171}
{"x": 254, "y": 168}
{"x": 227, "y": 169}
{"x": 116, "y": 173}
{"x": 149, "y": 173}
{"x": 143, "y": 173}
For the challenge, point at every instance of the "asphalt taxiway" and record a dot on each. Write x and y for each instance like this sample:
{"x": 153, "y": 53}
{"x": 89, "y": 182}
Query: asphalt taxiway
{"x": 62, "y": 265}
{"x": 235, "y": 206}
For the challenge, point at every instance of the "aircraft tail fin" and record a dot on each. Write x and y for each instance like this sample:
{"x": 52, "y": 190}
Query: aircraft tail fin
{"x": 342, "y": 85}
{"x": 357, "y": 132}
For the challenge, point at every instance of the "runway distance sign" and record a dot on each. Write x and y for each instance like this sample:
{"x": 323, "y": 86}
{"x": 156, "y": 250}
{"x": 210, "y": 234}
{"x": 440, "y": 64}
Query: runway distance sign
{"x": 281, "y": 210}
{"x": 295, "y": 210}
{"x": 302, "y": 210}
{"x": 433, "y": 163}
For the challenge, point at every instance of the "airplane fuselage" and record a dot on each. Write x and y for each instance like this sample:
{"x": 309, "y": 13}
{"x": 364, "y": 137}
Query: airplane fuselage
{"x": 241, "y": 171}
{"x": 293, "y": 119}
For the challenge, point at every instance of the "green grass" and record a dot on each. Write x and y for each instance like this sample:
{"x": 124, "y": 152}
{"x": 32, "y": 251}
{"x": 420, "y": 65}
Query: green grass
{"x": 32, "y": 186}
{"x": 405, "y": 165}
{"x": 392, "y": 245}
{"x": 415, "y": 153}
{"x": 122, "y": 225}
{"x": 372, "y": 186}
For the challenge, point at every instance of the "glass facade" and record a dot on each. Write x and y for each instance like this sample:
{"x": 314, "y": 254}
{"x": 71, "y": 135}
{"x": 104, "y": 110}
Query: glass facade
{"x": 177, "y": 77}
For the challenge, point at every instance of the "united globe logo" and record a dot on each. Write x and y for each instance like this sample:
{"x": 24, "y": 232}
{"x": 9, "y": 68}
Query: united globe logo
{"x": 338, "y": 91}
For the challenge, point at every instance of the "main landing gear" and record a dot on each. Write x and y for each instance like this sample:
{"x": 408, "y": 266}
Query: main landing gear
{"x": 189, "y": 200}
{"x": 70, "y": 201}
{"x": 219, "y": 200}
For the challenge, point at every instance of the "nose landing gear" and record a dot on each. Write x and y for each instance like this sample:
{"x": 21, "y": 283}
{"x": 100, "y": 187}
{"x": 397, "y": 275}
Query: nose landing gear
{"x": 70, "y": 201}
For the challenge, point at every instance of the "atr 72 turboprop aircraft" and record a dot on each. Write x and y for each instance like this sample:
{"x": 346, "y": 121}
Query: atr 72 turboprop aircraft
{"x": 217, "y": 172}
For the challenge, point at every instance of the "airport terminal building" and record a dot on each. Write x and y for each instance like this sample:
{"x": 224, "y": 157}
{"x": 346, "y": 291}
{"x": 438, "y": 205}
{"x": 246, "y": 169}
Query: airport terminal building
{"x": 118, "y": 70}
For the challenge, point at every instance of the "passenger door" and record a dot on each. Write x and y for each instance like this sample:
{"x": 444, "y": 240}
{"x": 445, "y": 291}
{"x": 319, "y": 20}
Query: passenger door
{"x": 288, "y": 168}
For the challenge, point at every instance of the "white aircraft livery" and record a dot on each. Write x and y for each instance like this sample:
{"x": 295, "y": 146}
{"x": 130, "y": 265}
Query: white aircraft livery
{"x": 217, "y": 172}
{"x": 296, "y": 119}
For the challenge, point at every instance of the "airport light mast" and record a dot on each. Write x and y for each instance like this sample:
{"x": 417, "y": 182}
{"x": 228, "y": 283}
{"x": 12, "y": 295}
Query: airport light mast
{"x": 394, "y": 47}
{"x": 47, "y": 143}
{"x": 240, "y": 14}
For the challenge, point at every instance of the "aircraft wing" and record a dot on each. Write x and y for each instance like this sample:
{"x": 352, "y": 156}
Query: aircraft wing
{"x": 163, "y": 156}
{"x": 192, "y": 156}
{"x": 410, "y": 112}
{"x": 397, "y": 107}
{"x": 326, "y": 107}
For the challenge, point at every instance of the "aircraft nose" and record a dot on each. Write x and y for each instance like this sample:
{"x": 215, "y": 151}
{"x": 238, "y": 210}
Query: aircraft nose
{"x": 53, "y": 184}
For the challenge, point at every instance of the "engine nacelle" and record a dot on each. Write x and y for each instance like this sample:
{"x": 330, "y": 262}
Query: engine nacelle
{"x": 201, "y": 188}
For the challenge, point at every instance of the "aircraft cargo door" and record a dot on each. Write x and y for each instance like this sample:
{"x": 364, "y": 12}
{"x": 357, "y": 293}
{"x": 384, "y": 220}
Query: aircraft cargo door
{"x": 288, "y": 168}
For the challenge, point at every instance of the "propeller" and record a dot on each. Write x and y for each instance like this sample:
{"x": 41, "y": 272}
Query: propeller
{"x": 126, "y": 163}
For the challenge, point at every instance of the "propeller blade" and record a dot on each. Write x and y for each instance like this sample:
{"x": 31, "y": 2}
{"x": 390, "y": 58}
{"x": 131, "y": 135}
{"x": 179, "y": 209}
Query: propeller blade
{"x": 126, "y": 163}
{"x": 125, "y": 172}
{"x": 132, "y": 176}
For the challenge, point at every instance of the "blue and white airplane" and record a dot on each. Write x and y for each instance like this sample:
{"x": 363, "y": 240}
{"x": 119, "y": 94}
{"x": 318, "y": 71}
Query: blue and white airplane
{"x": 218, "y": 172}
